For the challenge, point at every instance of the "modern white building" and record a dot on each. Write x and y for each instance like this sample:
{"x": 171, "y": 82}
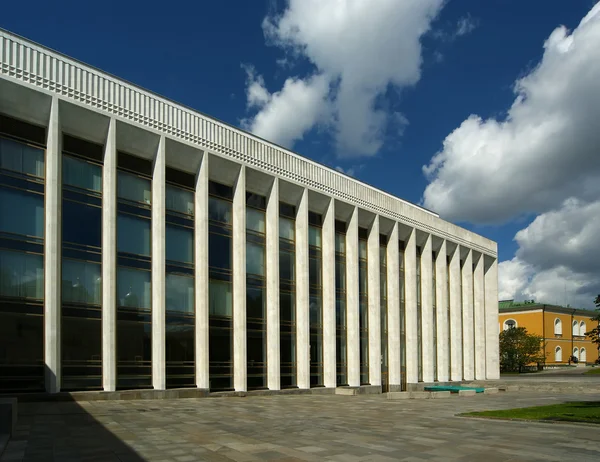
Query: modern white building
{"x": 146, "y": 245}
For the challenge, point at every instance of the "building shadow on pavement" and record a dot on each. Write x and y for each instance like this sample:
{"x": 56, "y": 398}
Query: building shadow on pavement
{"x": 58, "y": 428}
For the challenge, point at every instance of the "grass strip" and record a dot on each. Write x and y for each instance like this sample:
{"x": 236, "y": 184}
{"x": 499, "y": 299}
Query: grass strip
{"x": 577, "y": 411}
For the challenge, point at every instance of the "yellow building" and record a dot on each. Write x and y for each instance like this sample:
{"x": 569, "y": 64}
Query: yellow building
{"x": 563, "y": 329}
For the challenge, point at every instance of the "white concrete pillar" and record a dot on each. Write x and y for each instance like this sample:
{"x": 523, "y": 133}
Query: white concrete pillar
{"x": 352, "y": 300}
{"x": 479, "y": 318}
{"x": 109, "y": 260}
{"x": 410, "y": 278}
{"x": 302, "y": 294}
{"x": 272, "y": 260}
{"x": 240, "y": 370}
{"x": 201, "y": 275}
{"x": 373, "y": 269}
{"x": 492, "y": 359}
{"x": 52, "y": 251}
{"x": 427, "y": 310}
{"x": 393, "y": 303}
{"x": 159, "y": 378}
{"x": 441, "y": 303}
{"x": 328, "y": 254}
{"x": 456, "y": 372}
{"x": 467, "y": 317}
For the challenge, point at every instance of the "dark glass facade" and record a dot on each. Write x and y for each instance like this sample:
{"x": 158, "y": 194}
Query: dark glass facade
{"x": 434, "y": 303}
{"x": 256, "y": 296}
{"x": 22, "y": 172}
{"x": 315, "y": 270}
{"x": 341, "y": 332}
{"x": 81, "y": 317}
{"x": 363, "y": 294}
{"x": 384, "y": 311}
{"x": 134, "y": 278}
{"x": 179, "y": 284}
{"x": 287, "y": 296}
{"x": 220, "y": 296}
{"x": 402, "y": 289}
{"x": 419, "y": 318}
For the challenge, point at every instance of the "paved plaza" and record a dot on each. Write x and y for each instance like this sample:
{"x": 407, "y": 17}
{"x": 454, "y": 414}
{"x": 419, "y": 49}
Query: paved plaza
{"x": 296, "y": 428}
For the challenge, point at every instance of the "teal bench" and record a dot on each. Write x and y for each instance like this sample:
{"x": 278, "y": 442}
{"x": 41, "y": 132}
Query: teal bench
{"x": 453, "y": 388}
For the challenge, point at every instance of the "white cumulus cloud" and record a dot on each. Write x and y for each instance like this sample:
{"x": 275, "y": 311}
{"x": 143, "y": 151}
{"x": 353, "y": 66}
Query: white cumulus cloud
{"x": 544, "y": 151}
{"x": 557, "y": 259}
{"x": 358, "y": 50}
{"x": 284, "y": 116}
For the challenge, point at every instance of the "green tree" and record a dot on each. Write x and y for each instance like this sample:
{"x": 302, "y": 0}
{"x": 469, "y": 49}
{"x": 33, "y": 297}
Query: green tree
{"x": 518, "y": 348}
{"x": 594, "y": 334}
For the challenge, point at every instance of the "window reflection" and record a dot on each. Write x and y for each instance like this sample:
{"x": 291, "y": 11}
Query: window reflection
{"x": 179, "y": 293}
{"x": 133, "y": 235}
{"x": 82, "y": 282}
{"x": 22, "y": 212}
{"x": 134, "y": 288}
{"x": 134, "y": 188}
{"x": 21, "y": 275}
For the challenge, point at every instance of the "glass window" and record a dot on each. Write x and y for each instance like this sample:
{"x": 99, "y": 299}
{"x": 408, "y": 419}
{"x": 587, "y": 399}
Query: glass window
{"x": 21, "y": 157}
{"x": 314, "y": 236}
{"x": 255, "y": 259}
{"x": 180, "y": 244}
{"x": 315, "y": 310}
{"x": 179, "y": 293}
{"x": 21, "y": 212}
{"x": 340, "y": 312}
{"x": 362, "y": 279}
{"x": 81, "y": 282}
{"x": 340, "y": 243}
{"x": 133, "y": 235}
{"x": 287, "y": 228}
{"x": 220, "y": 298}
{"x": 255, "y": 302}
{"x": 255, "y": 220}
{"x": 314, "y": 272}
{"x": 82, "y": 174}
{"x": 219, "y": 210}
{"x": 362, "y": 250}
{"x": 21, "y": 275}
{"x": 219, "y": 251}
{"x": 134, "y": 188}
{"x": 134, "y": 288}
{"x": 340, "y": 275}
{"x": 82, "y": 224}
{"x": 287, "y": 307}
{"x": 286, "y": 265}
{"x": 179, "y": 200}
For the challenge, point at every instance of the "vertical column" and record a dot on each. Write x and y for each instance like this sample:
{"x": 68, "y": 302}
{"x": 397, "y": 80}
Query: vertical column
{"x": 272, "y": 259}
{"x": 410, "y": 277}
{"x": 52, "y": 250}
{"x": 352, "y": 300}
{"x": 479, "y": 319}
{"x": 328, "y": 255}
{"x": 443, "y": 355}
{"x": 492, "y": 359}
{"x": 239, "y": 282}
{"x": 427, "y": 311}
{"x": 393, "y": 301}
{"x": 302, "y": 294}
{"x": 456, "y": 372}
{"x": 201, "y": 275}
{"x": 109, "y": 260}
{"x": 373, "y": 270}
{"x": 467, "y": 317}
{"x": 158, "y": 269}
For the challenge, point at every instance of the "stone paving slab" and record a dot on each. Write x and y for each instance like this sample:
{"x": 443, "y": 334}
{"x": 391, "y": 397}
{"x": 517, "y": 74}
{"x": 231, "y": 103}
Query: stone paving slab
{"x": 296, "y": 428}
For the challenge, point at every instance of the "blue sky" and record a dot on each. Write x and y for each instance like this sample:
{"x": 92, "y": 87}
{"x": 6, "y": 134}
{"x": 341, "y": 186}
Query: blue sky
{"x": 467, "y": 62}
